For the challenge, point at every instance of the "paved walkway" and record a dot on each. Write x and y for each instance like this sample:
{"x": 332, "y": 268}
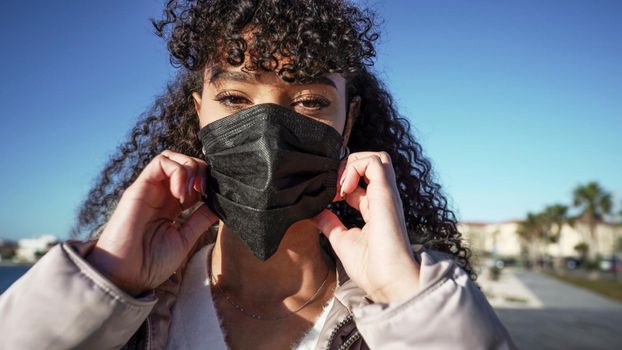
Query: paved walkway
{"x": 544, "y": 313}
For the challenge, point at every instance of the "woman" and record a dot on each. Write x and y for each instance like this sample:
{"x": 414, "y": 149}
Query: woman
{"x": 277, "y": 135}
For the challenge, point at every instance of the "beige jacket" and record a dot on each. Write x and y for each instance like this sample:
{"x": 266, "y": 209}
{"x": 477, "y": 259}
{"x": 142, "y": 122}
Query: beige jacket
{"x": 64, "y": 303}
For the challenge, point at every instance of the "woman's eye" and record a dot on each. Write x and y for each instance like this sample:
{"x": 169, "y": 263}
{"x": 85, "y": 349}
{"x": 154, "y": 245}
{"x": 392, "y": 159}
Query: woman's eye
{"x": 232, "y": 100}
{"x": 313, "y": 103}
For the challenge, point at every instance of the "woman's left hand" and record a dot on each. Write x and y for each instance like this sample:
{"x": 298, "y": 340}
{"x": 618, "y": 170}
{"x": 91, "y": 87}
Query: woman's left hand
{"x": 378, "y": 257}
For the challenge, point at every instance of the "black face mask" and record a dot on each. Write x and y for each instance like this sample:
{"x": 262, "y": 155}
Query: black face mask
{"x": 269, "y": 167}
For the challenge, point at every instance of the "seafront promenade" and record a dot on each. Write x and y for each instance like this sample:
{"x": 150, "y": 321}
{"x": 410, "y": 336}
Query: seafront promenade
{"x": 542, "y": 312}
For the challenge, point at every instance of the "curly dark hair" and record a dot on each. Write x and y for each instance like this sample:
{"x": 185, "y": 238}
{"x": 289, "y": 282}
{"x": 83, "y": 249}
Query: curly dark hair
{"x": 317, "y": 37}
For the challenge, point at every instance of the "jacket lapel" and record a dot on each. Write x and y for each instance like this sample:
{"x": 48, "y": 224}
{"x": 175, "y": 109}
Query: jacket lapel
{"x": 338, "y": 327}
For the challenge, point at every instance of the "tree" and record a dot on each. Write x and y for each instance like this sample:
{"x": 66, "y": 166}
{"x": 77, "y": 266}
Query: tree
{"x": 594, "y": 204}
{"x": 532, "y": 231}
{"x": 582, "y": 248}
{"x": 556, "y": 216}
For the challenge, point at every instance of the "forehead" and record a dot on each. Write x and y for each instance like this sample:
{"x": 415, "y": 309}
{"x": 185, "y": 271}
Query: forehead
{"x": 218, "y": 74}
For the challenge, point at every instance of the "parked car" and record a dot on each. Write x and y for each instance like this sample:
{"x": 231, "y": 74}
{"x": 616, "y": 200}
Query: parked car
{"x": 572, "y": 263}
{"x": 610, "y": 264}
{"x": 505, "y": 262}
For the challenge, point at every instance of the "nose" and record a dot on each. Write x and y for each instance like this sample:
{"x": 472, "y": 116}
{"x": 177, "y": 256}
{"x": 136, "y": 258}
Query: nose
{"x": 275, "y": 95}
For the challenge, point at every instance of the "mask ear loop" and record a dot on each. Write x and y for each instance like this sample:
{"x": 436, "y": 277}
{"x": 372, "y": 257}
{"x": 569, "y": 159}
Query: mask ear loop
{"x": 345, "y": 152}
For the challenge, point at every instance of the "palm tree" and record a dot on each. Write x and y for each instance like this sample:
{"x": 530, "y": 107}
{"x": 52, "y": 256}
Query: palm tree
{"x": 594, "y": 203}
{"x": 556, "y": 216}
{"x": 532, "y": 231}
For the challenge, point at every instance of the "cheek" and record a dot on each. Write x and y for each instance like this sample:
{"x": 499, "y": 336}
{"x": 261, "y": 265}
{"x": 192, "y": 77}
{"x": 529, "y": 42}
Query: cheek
{"x": 333, "y": 117}
{"x": 339, "y": 120}
{"x": 211, "y": 111}
{"x": 337, "y": 124}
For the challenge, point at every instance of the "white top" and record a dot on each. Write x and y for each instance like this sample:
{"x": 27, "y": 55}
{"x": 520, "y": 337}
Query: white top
{"x": 195, "y": 322}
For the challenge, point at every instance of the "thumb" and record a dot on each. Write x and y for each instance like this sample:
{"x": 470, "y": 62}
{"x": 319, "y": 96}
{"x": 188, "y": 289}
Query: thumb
{"x": 196, "y": 224}
{"x": 327, "y": 222}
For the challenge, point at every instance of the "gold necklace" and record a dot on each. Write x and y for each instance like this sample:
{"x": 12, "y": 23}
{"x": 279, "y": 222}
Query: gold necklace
{"x": 264, "y": 318}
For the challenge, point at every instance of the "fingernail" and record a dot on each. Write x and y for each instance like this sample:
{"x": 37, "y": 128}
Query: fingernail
{"x": 343, "y": 178}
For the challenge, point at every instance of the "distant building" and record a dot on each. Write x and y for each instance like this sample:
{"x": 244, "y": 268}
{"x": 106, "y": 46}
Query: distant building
{"x": 7, "y": 249}
{"x": 31, "y": 249}
{"x": 502, "y": 239}
{"x": 499, "y": 239}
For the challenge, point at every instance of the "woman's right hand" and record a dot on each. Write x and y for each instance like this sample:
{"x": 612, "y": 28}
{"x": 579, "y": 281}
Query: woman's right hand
{"x": 142, "y": 245}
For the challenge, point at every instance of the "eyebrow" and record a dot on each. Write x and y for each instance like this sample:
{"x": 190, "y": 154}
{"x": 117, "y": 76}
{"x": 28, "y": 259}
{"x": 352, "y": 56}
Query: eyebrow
{"x": 220, "y": 74}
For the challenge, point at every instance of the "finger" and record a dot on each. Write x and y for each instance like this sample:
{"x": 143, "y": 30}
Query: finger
{"x": 339, "y": 195}
{"x": 357, "y": 199}
{"x": 381, "y": 192}
{"x": 184, "y": 159}
{"x": 162, "y": 169}
{"x": 196, "y": 224}
{"x": 327, "y": 222}
{"x": 195, "y": 167}
{"x": 370, "y": 168}
{"x": 384, "y": 156}
{"x": 385, "y": 159}
{"x": 342, "y": 166}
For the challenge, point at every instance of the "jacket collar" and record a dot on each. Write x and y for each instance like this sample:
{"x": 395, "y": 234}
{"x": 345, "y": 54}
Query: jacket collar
{"x": 347, "y": 296}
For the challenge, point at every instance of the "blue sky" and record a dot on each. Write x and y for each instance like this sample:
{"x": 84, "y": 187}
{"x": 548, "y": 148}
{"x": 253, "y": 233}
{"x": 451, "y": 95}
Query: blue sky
{"x": 515, "y": 103}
